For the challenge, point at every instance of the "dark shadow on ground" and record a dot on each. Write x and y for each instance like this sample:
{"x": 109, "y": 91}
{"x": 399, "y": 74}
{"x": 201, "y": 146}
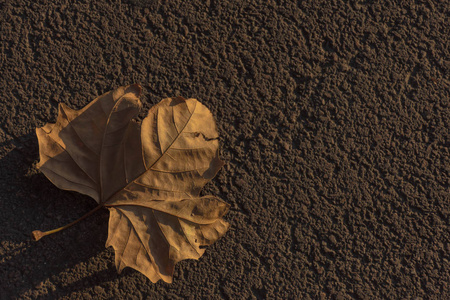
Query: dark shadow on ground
{"x": 29, "y": 201}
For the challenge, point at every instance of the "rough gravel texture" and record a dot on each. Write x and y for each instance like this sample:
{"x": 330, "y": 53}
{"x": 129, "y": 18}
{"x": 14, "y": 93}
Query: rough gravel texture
{"x": 334, "y": 123}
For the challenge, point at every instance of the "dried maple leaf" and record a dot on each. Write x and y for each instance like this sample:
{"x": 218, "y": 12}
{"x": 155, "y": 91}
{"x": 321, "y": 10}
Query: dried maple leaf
{"x": 148, "y": 175}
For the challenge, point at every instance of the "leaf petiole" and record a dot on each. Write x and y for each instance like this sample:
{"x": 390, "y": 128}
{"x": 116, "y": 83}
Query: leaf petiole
{"x": 37, "y": 234}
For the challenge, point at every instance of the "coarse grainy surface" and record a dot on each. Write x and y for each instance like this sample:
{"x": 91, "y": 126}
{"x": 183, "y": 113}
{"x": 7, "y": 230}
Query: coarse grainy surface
{"x": 334, "y": 124}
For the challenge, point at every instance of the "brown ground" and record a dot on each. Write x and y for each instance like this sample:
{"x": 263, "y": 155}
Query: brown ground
{"x": 334, "y": 123}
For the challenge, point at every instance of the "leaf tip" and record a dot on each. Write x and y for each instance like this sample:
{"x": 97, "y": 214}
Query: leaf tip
{"x": 135, "y": 88}
{"x": 37, "y": 235}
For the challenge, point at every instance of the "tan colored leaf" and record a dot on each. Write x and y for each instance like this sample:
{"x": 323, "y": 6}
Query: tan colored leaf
{"x": 149, "y": 175}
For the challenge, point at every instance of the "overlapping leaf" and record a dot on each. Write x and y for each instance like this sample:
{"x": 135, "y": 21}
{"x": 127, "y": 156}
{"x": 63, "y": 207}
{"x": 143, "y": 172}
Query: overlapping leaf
{"x": 149, "y": 175}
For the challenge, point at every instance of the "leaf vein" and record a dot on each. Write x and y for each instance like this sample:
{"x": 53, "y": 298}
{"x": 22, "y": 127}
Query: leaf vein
{"x": 178, "y": 171}
{"x": 51, "y": 171}
{"x": 156, "y": 188}
{"x": 186, "y": 237}
{"x": 147, "y": 251}
{"x": 76, "y": 132}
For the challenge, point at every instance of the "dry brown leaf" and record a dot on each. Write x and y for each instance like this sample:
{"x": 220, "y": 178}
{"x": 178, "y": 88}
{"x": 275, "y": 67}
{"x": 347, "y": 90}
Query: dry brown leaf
{"x": 149, "y": 175}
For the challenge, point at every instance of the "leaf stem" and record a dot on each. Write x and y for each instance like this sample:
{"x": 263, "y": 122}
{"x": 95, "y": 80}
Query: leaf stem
{"x": 37, "y": 234}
